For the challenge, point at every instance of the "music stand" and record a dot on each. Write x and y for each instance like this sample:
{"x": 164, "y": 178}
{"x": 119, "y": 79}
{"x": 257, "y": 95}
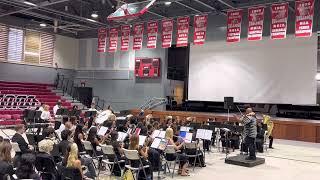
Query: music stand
{"x": 120, "y": 122}
{"x": 75, "y": 113}
{"x": 88, "y": 114}
{"x": 62, "y": 112}
{"x": 37, "y": 117}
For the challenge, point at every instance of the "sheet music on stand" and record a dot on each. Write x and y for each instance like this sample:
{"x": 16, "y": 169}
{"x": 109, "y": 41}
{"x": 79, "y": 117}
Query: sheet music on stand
{"x": 159, "y": 143}
{"x": 186, "y": 136}
{"x": 142, "y": 139}
{"x": 103, "y": 116}
{"x": 122, "y": 136}
{"x": 158, "y": 134}
{"x": 204, "y": 134}
{"x": 102, "y": 131}
{"x": 184, "y": 128}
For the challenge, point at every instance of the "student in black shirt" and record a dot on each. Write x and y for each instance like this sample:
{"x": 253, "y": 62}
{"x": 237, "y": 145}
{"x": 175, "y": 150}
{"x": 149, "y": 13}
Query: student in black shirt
{"x": 63, "y": 145}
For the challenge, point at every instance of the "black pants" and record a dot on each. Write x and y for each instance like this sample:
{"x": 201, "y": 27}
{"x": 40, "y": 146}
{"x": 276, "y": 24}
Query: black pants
{"x": 250, "y": 143}
{"x": 270, "y": 141}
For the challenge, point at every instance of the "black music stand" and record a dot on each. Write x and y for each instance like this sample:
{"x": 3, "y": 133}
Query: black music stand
{"x": 120, "y": 122}
{"x": 88, "y": 114}
{"x": 62, "y": 112}
{"x": 75, "y": 113}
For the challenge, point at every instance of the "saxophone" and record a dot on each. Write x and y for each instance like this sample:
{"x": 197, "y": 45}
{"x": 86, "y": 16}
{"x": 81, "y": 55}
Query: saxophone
{"x": 267, "y": 120}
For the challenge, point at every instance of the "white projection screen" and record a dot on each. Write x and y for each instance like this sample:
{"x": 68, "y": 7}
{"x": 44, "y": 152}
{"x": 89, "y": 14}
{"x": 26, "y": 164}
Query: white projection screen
{"x": 267, "y": 71}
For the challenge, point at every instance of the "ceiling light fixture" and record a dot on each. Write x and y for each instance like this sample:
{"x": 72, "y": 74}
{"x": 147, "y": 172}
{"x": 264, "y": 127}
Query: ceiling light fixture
{"x": 91, "y": 20}
{"x": 167, "y": 3}
{"x": 94, "y": 15}
{"x": 43, "y": 25}
{"x": 29, "y": 3}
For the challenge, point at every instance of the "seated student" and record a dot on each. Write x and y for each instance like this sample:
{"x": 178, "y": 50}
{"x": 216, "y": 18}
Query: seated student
{"x": 78, "y": 137}
{"x": 143, "y": 152}
{"x": 64, "y": 143}
{"x": 62, "y": 127}
{"x": 183, "y": 171}
{"x": 45, "y": 115}
{"x": 71, "y": 159}
{"x": 18, "y": 138}
{"x": 92, "y": 137}
{"x": 26, "y": 168}
{"x": 93, "y": 107}
{"x": 45, "y": 149}
{"x": 73, "y": 120}
{"x": 6, "y": 166}
{"x": 118, "y": 150}
{"x": 56, "y": 107}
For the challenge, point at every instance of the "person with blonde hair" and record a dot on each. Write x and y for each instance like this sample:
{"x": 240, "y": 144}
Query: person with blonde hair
{"x": 6, "y": 166}
{"x": 72, "y": 158}
{"x": 183, "y": 171}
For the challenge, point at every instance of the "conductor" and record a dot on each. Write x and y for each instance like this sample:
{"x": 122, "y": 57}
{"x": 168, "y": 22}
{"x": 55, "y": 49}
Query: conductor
{"x": 249, "y": 121}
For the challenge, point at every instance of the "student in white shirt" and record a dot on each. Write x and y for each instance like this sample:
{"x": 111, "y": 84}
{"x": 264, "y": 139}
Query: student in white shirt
{"x": 56, "y": 107}
{"x": 93, "y": 107}
{"x": 45, "y": 115}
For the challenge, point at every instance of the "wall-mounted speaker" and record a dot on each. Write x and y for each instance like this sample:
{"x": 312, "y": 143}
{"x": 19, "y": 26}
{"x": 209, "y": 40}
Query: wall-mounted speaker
{"x": 228, "y": 103}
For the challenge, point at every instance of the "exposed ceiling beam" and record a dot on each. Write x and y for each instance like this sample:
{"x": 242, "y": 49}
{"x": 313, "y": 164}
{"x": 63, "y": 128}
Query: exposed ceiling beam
{"x": 208, "y": 6}
{"x": 189, "y": 7}
{"x": 228, "y": 3}
{"x": 43, "y": 4}
{"x": 159, "y": 15}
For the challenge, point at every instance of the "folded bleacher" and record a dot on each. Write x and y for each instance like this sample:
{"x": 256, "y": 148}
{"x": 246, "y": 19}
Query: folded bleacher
{"x": 42, "y": 92}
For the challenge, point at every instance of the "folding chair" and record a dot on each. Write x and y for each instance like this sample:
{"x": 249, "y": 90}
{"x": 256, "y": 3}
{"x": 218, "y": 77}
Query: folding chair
{"x": 89, "y": 149}
{"x": 192, "y": 152}
{"x": 133, "y": 155}
{"x": 170, "y": 151}
{"x": 265, "y": 140}
{"x": 108, "y": 151}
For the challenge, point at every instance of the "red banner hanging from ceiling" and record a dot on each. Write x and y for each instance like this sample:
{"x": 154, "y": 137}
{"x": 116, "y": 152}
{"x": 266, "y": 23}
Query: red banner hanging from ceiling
{"x": 152, "y": 29}
{"x": 125, "y": 37}
{"x": 200, "y": 29}
{"x": 304, "y": 18}
{"x": 279, "y": 15}
{"x": 102, "y": 39}
{"x": 167, "y": 28}
{"x": 113, "y": 39}
{"x": 234, "y": 25}
{"x": 183, "y": 31}
{"x": 138, "y": 36}
{"x": 255, "y": 27}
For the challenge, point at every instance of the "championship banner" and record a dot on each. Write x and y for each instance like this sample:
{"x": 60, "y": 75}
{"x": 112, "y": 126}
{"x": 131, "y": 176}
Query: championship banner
{"x": 200, "y": 29}
{"x": 234, "y": 21}
{"x": 255, "y": 28}
{"x": 152, "y": 28}
{"x": 183, "y": 31}
{"x": 304, "y": 18}
{"x": 113, "y": 39}
{"x": 125, "y": 37}
{"x": 102, "y": 39}
{"x": 279, "y": 15}
{"x": 138, "y": 36}
{"x": 167, "y": 28}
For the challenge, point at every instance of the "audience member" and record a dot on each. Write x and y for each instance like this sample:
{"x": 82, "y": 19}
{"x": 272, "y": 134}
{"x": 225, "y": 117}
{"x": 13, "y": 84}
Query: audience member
{"x": 6, "y": 166}
{"x": 26, "y": 168}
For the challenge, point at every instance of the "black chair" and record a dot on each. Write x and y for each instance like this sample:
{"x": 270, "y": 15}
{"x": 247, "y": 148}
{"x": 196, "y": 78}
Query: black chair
{"x": 71, "y": 174}
{"x": 46, "y": 166}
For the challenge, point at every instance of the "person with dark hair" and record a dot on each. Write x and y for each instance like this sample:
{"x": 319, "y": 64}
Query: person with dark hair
{"x": 63, "y": 145}
{"x": 18, "y": 138}
{"x": 249, "y": 121}
{"x": 78, "y": 137}
{"x": 92, "y": 137}
{"x": 65, "y": 119}
{"x": 117, "y": 148}
{"x": 26, "y": 169}
{"x": 6, "y": 167}
{"x": 56, "y": 107}
{"x": 1, "y": 139}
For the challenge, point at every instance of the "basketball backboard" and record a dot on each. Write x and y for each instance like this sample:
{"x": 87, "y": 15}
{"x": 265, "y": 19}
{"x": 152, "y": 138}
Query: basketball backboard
{"x": 129, "y": 11}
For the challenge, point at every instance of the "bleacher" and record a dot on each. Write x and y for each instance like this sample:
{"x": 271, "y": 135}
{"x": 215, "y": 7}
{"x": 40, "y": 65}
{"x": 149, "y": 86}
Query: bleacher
{"x": 11, "y": 113}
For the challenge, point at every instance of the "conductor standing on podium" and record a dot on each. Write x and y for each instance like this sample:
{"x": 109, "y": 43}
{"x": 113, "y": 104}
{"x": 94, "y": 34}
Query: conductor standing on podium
{"x": 249, "y": 121}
